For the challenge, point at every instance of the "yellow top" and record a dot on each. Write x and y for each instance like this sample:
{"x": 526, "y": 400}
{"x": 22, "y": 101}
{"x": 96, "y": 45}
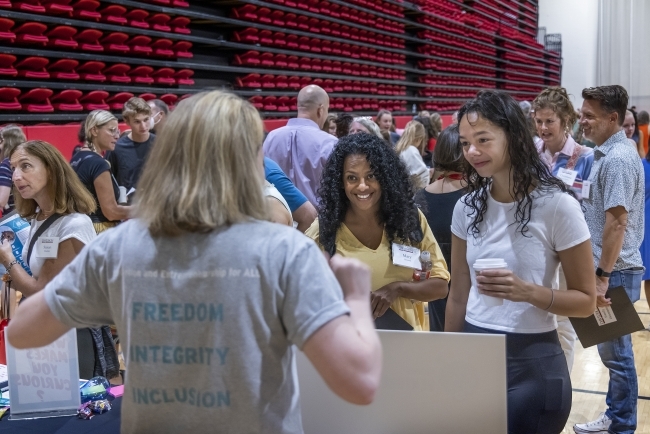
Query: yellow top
{"x": 383, "y": 269}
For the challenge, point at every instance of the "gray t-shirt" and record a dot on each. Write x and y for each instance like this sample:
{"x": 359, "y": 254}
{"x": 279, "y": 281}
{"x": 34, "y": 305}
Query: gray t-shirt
{"x": 206, "y": 320}
{"x": 617, "y": 180}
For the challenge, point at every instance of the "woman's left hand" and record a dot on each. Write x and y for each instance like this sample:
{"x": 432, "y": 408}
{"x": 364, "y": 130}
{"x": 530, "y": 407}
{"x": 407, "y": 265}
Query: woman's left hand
{"x": 502, "y": 284}
{"x": 381, "y": 299}
{"x": 6, "y": 252}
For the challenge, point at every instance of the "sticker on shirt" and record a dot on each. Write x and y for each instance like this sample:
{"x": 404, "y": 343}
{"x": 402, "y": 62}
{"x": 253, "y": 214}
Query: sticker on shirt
{"x": 567, "y": 176}
{"x": 406, "y": 256}
{"x": 604, "y": 315}
{"x": 586, "y": 189}
{"x": 47, "y": 247}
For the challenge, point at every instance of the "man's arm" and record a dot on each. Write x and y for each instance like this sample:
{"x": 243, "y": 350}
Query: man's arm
{"x": 613, "y": 235}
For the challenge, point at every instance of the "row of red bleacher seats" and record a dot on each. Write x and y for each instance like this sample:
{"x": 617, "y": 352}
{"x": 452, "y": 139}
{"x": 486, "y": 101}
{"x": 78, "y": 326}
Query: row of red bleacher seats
{"x": 285, "y": 104}
{"x": 110, "y": 14}
{"x": 80, "y": 9}
{"x": 264, "y": 15}
{"x": 456, "y": 80}
{"x": 252, "y": 35}
{"x": 67, "y": 37}
{"x": 447, "y": 66}
{"x": 268, "y": 81}
{"x": 40, "y": 68}
{"x": 282, "y": 61}
{"x": 453, "y": 41}
{"x": 451, "y": 53}
{"x": 447, "y": 93}
{"x": 43, "y": 100}
{"x": 441, "y": 105}
{"x": 334, "y": 10}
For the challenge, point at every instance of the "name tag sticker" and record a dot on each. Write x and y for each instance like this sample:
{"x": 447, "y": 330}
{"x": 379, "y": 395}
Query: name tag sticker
{"x": 586, "y": 189}
{"x": 406, "y": 256}
{"x": 567, "y": 176}
{"x": 47, "y": 247}
{"x": 604, "y": 315}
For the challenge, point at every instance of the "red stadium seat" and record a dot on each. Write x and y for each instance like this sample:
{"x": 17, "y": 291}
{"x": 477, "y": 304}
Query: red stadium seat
{"x": 160, "y": 22}
{"x": 116, "y": 102}
{"x": 33, "y": 67}
{"x": 249, "y": 58}
{"x": 67, "y": 100}
{"x": 86, "y": 10}
{"x": 30, "y": 6}
{"x": 9, "y": 98}
{"x": 95, "y": 100}
{"x": 114, "y": 14}
{"x": 89, "y": 40}
{"x": 270, "y": 103}
{"x": 284, "y": 104}
{"x": 281, "y": 60}
{"x": 164, "y": 76}
{"x": 31, "y": 33}
{"x": 180, "y": 4}
{"x": 140, "y": 45}
{"x": 5, "y": 4}
{"x": 256, "y": 101}
{"x": 266, "y": 59}
{"x": 92, "y": 71}
{"x": 147, "y": 96}
{"x": 184, "y": 77}
{"x": 116, "y": 42}
{"x": 248, "y": 35}
{"x": 37, "y": 100}
{"x": 267, "y": 81}
{"x": 5, "y": 30}
{"x": 277, "y": 18}
{"x": 117, "y": 73}
{"x": 182, "y": 49}
{"x": 58, "y": 7}
{"x": 62, "y": 37}
{"x": 163, "y": 47}
{"x": 179, "y": 25}
{"x": 251, "y": 80}
{"x": 247, "y": 12}
{"x": 138, "y": 18}
{"x": 7, "y": 68}
{"x": 141, "y": 74}
{"x": 64, "y": 69}
{"x": 282, "y": 82}
{"x": 169, "y": 99}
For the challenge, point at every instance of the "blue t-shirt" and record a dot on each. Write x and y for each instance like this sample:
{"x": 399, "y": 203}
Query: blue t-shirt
{"x": 295, "y": 199}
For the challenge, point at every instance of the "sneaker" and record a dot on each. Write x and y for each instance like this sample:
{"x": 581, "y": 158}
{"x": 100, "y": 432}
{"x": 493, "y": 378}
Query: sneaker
{"x": 600, "y": 425}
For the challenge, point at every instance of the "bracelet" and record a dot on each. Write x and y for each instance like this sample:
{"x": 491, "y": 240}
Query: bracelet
{"x": 552, "y": 299}
{"x": 11, "y": 264}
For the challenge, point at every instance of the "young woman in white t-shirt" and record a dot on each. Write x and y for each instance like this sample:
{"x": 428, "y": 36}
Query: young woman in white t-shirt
{"x": 516, "y": 210}
{"x": 47, "y": 185}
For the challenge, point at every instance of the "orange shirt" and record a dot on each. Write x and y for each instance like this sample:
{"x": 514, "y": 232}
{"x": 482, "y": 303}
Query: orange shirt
{"x": 644, "y": 137}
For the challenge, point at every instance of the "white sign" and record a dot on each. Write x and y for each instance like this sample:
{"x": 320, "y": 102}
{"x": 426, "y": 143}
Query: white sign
{"x": 44, "y": 381}
{"x": 604, "y": 315}
{"x": 567, "y": 176}
{"x": 406, "y": 256}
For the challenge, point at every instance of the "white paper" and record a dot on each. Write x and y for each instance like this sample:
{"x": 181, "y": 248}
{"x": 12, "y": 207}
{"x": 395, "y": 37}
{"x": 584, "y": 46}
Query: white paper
{"x": 406, "y": 256}
{"x": 604, "y": 315}
{"x": 567, "y": 176}
{"x": 47, "y": 247}
{"x": 586, "y": 189}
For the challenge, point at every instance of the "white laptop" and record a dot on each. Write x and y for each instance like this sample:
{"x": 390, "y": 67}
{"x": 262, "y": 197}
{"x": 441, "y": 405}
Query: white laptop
{"x": 431, "y": 383}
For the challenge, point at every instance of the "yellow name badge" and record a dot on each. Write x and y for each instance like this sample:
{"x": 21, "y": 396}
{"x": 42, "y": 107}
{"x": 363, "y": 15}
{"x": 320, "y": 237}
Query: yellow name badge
{"x": 406, "y": 256}
{"x": 47, "y": 247}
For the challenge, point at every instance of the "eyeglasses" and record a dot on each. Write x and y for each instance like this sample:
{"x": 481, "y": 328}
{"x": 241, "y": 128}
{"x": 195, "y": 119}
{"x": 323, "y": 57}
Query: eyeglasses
{"x": 114, "y": 131}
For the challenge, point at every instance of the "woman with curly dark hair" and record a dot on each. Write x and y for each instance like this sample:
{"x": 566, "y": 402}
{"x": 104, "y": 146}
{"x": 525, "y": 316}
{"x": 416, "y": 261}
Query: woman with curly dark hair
{"x": 367, "y": 209}
{"x": 516, "y": 211}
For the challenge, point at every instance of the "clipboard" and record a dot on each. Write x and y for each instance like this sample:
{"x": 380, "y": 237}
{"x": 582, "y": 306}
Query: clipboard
{"x": 392, "y": 321}
{"x": 618, "y": 319}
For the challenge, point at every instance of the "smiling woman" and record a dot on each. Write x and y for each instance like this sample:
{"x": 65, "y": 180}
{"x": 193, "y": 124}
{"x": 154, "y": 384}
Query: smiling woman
{"x": 367, "y": 208}
{"x": 516, "y": 211}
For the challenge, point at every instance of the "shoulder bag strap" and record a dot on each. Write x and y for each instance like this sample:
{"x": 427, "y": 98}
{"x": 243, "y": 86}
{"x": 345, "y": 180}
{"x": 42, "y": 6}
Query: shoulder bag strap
{"x": 46, "y": 224}
{"x": 571, "y": 164}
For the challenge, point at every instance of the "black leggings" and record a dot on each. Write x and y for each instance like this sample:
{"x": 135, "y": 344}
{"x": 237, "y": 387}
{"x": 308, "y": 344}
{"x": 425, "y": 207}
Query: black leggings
{"x": 539, "y": 386}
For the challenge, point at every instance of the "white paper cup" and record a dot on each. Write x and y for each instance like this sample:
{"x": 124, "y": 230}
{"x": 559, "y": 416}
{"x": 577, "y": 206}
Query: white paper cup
{"x": 489, "y": 264}
{"x": 122, "y": 198}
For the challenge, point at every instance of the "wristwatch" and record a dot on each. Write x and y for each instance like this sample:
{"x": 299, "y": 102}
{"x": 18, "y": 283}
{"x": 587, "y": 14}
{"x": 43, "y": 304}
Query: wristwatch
{"x": 601, "y": 273}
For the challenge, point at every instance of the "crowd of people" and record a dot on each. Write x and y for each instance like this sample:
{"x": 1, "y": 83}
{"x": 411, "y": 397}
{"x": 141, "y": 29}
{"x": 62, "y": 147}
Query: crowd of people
{"x": 245, "y": 243}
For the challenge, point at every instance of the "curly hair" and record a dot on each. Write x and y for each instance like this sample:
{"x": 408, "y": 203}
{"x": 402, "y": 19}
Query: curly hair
{"x": 397, "y": 209}
{"x": 343, "y": 122}
{"x": 527, "y": 169}
{"x": 557, "y": 99}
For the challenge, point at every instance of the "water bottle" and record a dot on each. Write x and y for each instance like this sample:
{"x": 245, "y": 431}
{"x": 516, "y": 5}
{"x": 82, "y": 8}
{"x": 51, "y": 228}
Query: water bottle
{"x": 426, "y": 265}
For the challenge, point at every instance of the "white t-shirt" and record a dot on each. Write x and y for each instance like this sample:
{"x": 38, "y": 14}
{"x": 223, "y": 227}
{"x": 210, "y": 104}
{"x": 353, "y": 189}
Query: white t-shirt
{"x": 76, "y": 225}
{"x": 556, "y": 223}
{"x": 417, "y": 170}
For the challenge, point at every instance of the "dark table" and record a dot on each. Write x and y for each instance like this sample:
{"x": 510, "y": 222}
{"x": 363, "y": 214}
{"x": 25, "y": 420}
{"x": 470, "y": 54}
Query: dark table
{"x": 107, "y": 423}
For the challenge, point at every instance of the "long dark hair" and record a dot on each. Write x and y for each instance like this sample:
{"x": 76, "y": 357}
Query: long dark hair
{"x": 397, "y": 209}
{"x": 527, "y": 169}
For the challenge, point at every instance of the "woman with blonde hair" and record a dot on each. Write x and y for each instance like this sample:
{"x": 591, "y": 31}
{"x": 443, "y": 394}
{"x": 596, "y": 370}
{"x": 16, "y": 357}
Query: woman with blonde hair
{"x": 95, "y": 172}
{"x": 330, "y": 124}
{"x": 235, "y": 292}
{"x": 10, "y": 137}
{"x": 53, "y": 199}
{"x": 410, "y": 148}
